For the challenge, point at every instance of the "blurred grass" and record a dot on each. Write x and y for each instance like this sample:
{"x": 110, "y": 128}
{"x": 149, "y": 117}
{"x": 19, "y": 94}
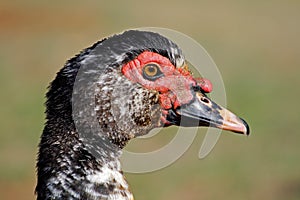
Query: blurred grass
{"x": 255, "y": 45}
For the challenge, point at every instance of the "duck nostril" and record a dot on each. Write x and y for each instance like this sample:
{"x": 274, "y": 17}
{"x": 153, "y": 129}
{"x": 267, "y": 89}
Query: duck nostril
{"x": 205, "y": 100}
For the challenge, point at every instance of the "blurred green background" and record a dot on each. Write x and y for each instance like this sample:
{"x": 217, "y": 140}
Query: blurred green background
{"x": 255, "y": 44}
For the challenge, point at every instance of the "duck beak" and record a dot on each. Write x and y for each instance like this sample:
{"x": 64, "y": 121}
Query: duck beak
{"x": 204, "y": 112}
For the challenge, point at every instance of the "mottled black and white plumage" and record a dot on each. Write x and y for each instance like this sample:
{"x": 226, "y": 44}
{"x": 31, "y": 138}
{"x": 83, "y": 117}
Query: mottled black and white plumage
{"x": 66, "y": 168}
{"x": 94, "y": 108}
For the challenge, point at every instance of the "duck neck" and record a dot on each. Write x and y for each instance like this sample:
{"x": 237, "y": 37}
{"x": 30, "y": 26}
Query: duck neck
{"x": 69, "y": 168}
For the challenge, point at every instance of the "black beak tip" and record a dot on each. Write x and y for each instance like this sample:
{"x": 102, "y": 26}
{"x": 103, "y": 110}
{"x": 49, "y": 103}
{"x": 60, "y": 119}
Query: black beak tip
{"x": 247, "y": 127}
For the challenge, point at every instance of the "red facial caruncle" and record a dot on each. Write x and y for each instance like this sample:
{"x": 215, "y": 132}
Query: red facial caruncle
{"x": 156, "y": 72}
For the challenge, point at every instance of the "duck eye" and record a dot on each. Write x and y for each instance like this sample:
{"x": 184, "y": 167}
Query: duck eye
{"x": 152, "y": 72}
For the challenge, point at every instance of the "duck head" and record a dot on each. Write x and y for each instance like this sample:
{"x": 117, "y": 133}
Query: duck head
{"x": 150, "y": 85}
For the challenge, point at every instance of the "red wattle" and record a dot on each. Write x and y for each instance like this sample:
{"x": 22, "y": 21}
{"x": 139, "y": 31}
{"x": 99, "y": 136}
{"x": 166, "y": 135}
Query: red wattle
{"x": 205, "y": 84}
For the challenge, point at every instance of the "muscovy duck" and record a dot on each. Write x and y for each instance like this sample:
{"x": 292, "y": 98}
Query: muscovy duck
{"x": 135, "y": 81}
